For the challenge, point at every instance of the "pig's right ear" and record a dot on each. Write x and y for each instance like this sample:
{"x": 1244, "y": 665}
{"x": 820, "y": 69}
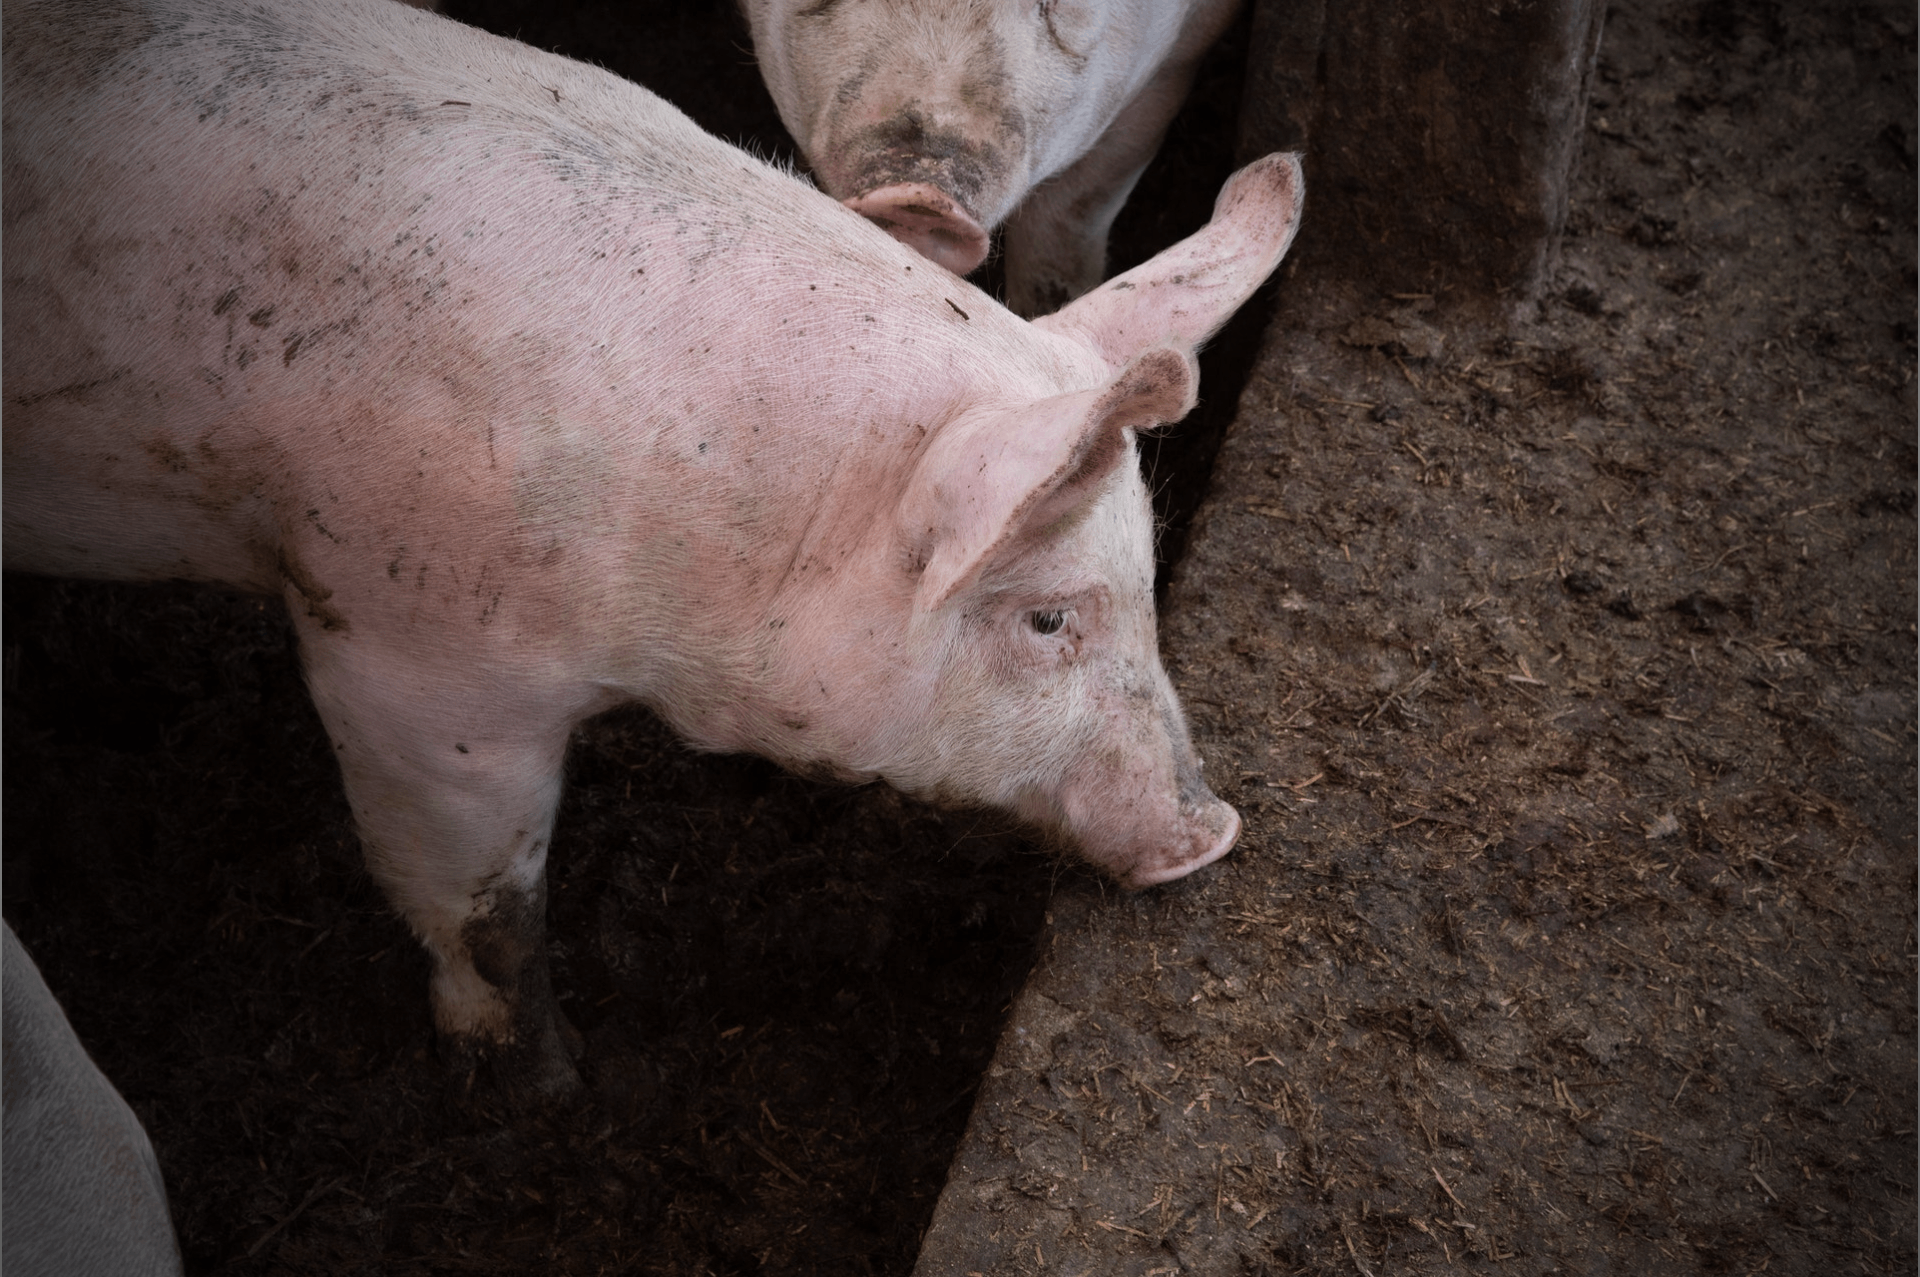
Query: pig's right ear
{"x": 1182, "y": 296}
{"x": 994, "y": 481}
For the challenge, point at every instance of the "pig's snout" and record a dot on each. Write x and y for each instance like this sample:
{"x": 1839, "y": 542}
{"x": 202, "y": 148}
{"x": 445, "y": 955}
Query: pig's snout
{"x": 927, "y": 220}
{"x": 1218, "y": 828}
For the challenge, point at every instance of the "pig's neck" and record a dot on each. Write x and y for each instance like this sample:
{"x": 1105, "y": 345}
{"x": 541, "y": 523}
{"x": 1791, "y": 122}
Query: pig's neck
{"x": 762, "y": 585}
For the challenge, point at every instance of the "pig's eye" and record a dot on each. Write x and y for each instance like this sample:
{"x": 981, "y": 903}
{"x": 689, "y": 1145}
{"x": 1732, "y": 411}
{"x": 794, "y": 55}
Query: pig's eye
{"x": 1047, "y": 622}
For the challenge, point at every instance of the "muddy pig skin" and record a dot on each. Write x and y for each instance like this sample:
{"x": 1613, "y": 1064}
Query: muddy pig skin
{"x": 531, "y": 399}
{"x": 941, "y": 119}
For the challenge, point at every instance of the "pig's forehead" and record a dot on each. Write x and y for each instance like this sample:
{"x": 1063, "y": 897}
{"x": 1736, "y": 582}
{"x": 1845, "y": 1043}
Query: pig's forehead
{"x": 1107, "y": 542}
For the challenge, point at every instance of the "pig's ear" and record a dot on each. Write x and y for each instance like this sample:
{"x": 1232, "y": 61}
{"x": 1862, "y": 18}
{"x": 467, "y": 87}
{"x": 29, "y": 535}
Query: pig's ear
{"x": 995, "y": 480}
{"x": 1182, "y": 296}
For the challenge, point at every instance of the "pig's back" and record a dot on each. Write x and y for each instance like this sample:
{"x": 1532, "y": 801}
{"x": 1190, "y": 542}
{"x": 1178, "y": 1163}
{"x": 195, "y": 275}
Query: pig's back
{"x": 255, "y": 250}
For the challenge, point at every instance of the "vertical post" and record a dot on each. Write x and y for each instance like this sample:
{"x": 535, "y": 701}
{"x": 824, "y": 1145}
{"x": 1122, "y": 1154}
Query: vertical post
{"x": 1440, "y": 137}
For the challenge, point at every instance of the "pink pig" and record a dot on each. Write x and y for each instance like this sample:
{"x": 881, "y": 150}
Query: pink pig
{"x": 531, "y": 399}
{"x": 941, "y": 119}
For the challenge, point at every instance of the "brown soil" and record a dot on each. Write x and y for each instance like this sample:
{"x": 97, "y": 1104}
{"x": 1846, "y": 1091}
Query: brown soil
{"x": 1565, "y": 673}
{"x": 1567, "y": 684}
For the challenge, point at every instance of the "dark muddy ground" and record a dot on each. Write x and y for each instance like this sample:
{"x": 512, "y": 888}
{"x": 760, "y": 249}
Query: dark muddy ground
{"x": 1566, "y": 676}
{"x": 788, "y": 991}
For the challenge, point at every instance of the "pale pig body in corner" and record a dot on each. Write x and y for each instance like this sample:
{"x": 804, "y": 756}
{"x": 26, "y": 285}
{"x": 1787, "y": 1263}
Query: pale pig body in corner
{"x": 942, "y": 119}
{"x": 531, "y": 399}
{"x": 84, "y": 1197}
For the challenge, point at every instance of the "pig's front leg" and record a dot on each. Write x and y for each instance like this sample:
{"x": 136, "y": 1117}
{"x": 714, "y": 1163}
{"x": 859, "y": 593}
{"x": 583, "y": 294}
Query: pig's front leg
{"x": 453, "y": 769}
{"x": 1056, "y": 240}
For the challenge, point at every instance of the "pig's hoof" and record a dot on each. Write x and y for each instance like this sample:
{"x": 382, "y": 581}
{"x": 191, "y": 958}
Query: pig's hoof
{"x": 548, "y": 1078}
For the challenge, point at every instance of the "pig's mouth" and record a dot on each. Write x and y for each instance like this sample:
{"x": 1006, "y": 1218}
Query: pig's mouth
{"x": 927, "y": 220}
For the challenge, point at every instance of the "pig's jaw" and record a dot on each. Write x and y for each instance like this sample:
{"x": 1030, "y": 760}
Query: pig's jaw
{"x": 1118, "y": 780}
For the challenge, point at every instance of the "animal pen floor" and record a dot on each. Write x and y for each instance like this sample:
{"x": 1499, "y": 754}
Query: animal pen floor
{"x": 1565, "y": 676}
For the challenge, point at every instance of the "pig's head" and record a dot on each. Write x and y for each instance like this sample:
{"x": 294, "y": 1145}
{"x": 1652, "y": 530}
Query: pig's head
{"x": 1030, "y": 535}
{"x": 934, "y": 118}
{"x": 995, "y": 640}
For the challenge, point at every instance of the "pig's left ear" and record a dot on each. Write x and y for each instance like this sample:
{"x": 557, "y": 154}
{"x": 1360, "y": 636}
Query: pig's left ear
{"x": 1182, "y": 296}
{"x": 995, "y": 480}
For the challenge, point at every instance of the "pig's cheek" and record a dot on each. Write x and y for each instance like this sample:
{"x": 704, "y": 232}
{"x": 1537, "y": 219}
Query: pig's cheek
{"x": 1101, "y": 810}
{"x": 1129, "y": 801}
{"x": 1105, "y": 776}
